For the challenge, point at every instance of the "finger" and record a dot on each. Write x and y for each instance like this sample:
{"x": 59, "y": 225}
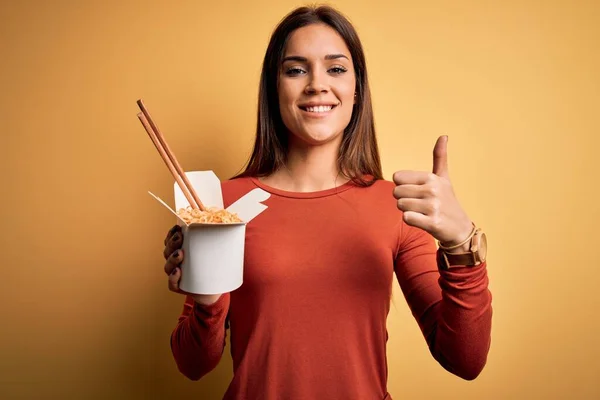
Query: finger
{"x": 171, "y": 232}
{"x": 415, "y": 205}
{"x": 409, "y": 191}
{"x": 412, "y": 177}
{"x": 418, "y": 220}
{"x": 173, "y": 261}
{"x": 174, "y": 243}
{"x": 440, "y": 157}
{"x": 174, "y": 278}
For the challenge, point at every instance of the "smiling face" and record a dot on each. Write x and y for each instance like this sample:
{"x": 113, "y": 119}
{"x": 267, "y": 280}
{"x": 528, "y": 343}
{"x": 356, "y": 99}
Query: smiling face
{"x": 316, "y": 85}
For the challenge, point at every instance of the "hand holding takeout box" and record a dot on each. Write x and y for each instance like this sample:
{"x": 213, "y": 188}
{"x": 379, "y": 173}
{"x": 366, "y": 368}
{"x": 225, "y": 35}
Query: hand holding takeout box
{"x": 213, "y": 248}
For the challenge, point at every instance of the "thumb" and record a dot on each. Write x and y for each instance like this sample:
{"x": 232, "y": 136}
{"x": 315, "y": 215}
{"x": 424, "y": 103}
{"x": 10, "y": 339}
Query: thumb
{"x": 440, "y": 157}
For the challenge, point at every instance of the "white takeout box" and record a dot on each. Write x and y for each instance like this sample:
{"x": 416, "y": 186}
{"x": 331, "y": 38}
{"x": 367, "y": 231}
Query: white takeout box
{"x": 213, "y": 260}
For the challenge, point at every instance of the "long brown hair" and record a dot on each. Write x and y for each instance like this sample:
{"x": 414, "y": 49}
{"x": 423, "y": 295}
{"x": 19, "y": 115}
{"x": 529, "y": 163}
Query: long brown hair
{"x": 358, "y": 154}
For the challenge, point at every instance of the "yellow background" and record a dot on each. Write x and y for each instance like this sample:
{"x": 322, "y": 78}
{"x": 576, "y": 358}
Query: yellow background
{"x": 85, "y": 309}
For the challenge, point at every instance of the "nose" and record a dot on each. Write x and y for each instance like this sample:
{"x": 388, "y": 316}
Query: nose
{"x": 317, "y": 84}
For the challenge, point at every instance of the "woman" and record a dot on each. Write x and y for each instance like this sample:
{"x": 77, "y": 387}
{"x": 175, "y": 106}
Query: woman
{"x": 309, "y": 322}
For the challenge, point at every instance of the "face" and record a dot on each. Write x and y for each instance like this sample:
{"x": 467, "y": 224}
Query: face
{"x": 316, "y": 85}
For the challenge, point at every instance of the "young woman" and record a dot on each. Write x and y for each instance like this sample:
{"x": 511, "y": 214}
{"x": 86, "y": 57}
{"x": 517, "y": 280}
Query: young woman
{"x": 309, "y": 321}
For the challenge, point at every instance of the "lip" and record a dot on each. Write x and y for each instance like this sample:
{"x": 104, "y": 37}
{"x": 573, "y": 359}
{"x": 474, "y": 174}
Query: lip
{"x": 317, "y": 115}
{"x": 317, "y": 104}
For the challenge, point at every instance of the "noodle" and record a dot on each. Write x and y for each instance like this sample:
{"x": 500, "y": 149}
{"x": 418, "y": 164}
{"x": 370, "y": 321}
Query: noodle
{"x": 210, "y": 216}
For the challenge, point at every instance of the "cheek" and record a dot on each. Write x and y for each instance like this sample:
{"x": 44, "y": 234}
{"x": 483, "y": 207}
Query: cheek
{"x": 346, "y": 95}
{"x": 286, "y": 99}
{"x": 346, "y": 114}
{"x": 286, "y": 108}
{"x": 348, "y": 91}
{"x": 283, "y": 105}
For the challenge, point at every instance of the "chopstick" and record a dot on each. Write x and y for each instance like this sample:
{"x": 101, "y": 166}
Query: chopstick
{"x": 169, "y": 158}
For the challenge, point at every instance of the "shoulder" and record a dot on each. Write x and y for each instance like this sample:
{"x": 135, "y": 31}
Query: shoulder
{"x": 380, "y": 190}
{"x": 378, "y": 200}
{"x": 382, "y": 185}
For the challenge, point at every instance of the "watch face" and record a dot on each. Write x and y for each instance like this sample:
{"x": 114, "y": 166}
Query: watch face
{"x": 482, "y": 246}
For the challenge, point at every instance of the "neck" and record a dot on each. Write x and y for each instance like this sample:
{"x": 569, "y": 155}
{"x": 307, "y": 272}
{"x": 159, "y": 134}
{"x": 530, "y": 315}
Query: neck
{"x": 309, "y": 168}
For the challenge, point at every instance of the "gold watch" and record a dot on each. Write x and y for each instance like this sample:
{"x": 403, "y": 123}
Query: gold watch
{"x": 476, "y": 255}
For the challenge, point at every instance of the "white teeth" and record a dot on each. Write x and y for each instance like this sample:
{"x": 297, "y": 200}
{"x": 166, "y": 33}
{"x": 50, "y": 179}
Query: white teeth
{"x": 319, "y": 109}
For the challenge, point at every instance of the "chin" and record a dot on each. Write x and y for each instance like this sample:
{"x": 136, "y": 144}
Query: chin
{"x": 317, "y": 138}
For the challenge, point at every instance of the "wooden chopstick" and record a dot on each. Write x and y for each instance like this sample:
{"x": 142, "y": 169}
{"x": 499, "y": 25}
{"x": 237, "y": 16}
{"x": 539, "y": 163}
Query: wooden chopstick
{"x": 169, "y": 158}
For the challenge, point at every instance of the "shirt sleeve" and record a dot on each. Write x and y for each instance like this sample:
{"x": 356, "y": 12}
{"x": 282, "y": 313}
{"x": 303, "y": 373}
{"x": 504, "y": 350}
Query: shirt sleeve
{"x": 453, "y": 308}
{"x": 198, "y": 340}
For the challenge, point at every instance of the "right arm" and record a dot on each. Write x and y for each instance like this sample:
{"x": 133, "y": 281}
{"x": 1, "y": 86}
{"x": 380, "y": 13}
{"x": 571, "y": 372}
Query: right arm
{"x": 198, "y": 340}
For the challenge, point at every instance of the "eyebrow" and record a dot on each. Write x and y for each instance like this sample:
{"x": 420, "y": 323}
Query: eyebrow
{"x": 304, "y": 59}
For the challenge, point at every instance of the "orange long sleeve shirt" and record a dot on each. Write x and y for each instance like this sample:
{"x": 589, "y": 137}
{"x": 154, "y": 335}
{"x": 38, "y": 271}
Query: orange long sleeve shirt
{"x": 309, "y": 321}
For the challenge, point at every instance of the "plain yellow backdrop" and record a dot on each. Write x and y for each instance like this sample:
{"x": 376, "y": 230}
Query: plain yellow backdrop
{"x": 85, "y": 310}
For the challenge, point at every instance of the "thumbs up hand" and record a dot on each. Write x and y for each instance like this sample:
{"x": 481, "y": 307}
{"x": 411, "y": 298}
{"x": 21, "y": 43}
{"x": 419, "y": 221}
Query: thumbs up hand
{"x": 428, "y": 201}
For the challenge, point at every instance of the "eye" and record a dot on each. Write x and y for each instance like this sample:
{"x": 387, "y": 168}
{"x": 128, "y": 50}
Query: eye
{"x": 337, "y": 70}
{"x": 294, "y": 71}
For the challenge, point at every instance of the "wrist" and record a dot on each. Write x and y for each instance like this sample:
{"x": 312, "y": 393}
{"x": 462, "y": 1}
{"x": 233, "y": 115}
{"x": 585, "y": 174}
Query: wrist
{"x": 470, "y": 252}
{"x": 206, "y": 299}
{"x": 463, "y": 242}
{"x": 462, "y": 249}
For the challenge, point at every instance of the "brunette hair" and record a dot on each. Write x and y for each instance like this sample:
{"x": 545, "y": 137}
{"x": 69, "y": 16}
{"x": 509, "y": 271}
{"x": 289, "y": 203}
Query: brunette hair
{"x": 359, "y": 155}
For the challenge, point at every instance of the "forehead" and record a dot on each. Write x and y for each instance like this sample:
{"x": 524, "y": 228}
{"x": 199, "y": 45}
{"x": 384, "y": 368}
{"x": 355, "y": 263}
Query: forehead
{"x": 316, "y": 40}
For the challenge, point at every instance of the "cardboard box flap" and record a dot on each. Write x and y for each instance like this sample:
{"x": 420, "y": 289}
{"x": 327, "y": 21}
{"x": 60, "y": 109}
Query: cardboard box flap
{"x": 167, "y": 206}
{"x": 249, "y": 205}
{"x": 207, "y": 186}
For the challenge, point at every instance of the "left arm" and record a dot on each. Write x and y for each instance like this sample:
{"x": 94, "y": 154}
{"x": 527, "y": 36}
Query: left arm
{"x": 453, "y": 308}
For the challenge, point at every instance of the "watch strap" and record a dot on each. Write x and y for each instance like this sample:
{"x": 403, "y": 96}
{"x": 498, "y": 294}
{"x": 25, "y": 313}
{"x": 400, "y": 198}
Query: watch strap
{"x": 471, "y": 258}
{"x": 467, "y": 259}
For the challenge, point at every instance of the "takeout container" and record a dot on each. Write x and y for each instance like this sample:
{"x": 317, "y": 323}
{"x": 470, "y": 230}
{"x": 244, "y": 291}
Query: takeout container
{"x": 213, "y": 260}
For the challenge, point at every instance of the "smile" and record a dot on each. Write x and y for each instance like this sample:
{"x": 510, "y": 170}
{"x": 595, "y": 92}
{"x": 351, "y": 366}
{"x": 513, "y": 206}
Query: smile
{"x": 318, "y": 110}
